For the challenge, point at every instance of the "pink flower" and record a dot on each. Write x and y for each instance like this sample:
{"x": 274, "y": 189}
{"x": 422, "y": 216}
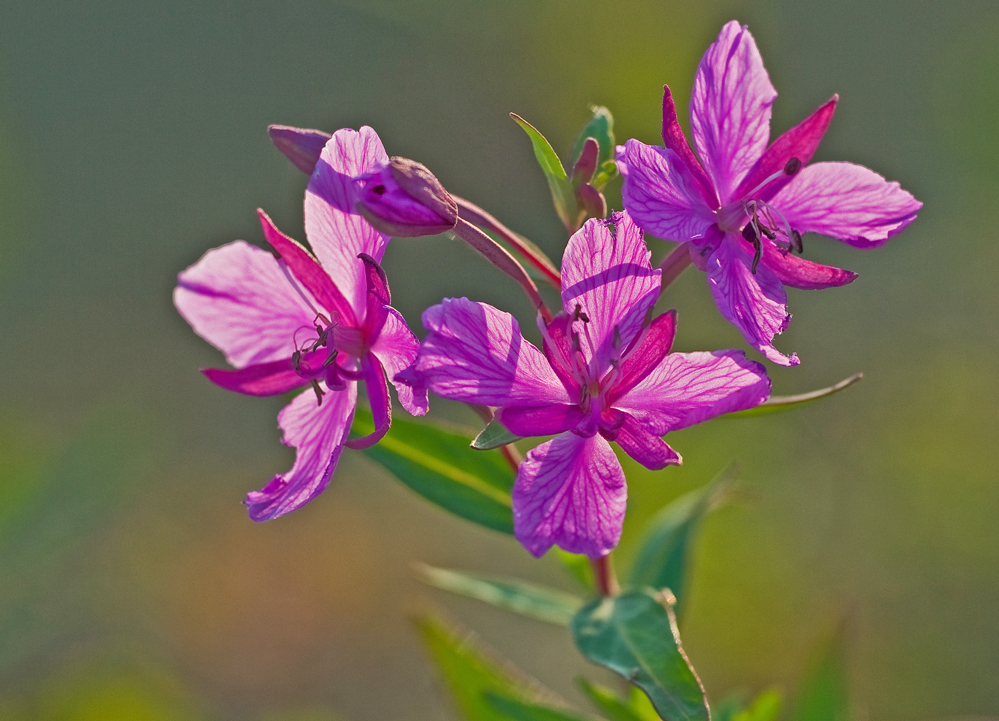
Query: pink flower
{"x": 301, "y": 320}
{"x": 743, "y": 208}
{"x": 604, "y": 374}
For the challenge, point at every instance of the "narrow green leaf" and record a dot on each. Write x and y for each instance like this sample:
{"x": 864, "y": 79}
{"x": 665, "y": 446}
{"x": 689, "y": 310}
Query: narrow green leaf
{"x": 779, "y": 404}
{"x": 562, "y": 192}
{"x": 493, "y": 436}
{"x": 635, "y": 635}
{"x": 824, "y": 695}
{"x": 527, "y": 599}
{"x": 600, "y": 127}
{"x": 636, "y": 708}
{"x": 663, "y": 558}
{"x": 521, "y": 711}
{"x": 765, "y": 707}
{"x": 438, "y": 464}
{"x": 469, "y": 670}
{"x": 578, "y": 566}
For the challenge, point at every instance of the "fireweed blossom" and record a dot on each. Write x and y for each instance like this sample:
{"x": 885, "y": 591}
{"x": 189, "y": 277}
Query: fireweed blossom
{"x": 604, "y": 374}
{"x": 300, "y": 320}
{"x": 742, "y": 209}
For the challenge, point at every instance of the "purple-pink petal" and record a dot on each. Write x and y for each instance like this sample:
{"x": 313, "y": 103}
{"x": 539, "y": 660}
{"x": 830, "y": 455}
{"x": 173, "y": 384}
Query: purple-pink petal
{"x": 308, "y": 272}
{"x": 799, "y": 142}
{"x": 260, "y": 379}
{"x": 848, "y": 202}
{"x": 379, "y": 399}
{"x": 238, "y": 299}
{"x": 570, "y": 492}
{"x": 396, "y": 348}
{"x": 798, "y": 272}
{"x": 607, "y": 275}
{"x": 649, "y": 351}
{"x": 688, "y": 388}
{"x": 647, "y": 448}
{"x": 755, "y": 303}
{"x": 526, "y": 421}
{"x": 317, "y": 432}
{"x": 674, "y": 139}
{"x": 730, "y": 108}
{"x": 334, "y": 228}
{"x": 476, "y": 354}
{"x": 300, "y": 145}
{"x": 661, "y": 194}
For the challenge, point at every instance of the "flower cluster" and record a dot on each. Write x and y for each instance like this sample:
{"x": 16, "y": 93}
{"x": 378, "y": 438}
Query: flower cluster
{"x": 322, "y": 319}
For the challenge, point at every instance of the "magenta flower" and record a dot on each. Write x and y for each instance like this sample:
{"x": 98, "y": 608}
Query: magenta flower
{"x": 743, "y": 211}
{"x": 301, "y": 320}
{"x": 604, "y": 374}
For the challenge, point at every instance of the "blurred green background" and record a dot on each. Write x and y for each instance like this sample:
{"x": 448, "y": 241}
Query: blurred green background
{"x": 132, "y": 139}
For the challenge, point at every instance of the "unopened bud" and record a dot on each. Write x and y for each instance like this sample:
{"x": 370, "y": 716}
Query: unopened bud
{"x": 300, "y": 145}
{"x": 405, "y": 200}
{"x": 586, "y": 165}
{"x": 592, "y": 201}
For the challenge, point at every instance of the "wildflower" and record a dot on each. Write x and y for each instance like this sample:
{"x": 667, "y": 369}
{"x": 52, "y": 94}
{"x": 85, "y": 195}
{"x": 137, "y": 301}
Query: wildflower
{"x": 300, "y": 320}
{"x": 743, "y": 208}
{"x": 604, "y": 374}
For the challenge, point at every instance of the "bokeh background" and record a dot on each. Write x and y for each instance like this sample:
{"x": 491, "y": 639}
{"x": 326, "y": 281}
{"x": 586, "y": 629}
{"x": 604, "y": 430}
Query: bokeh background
{"x": 132, "y": 139}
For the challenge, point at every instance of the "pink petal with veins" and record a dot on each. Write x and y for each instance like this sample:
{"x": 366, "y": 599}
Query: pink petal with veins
{"x": 396, "y": 348}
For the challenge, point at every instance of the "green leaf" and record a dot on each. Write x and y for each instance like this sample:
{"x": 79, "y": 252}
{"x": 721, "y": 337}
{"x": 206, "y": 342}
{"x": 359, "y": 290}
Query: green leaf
{"x": 578, "y": 566}
{"x": 765, "y": 707}
{"x": 824, "y": 695}
{"x": 527, "y": 599}
{"x": 438, "y": 464}
{"x": 636, "y": 708}
{"x": 635, "y": 635}
{"x": 779, "y": 404}
{"x": 665, "y": 552}
{"x": 600, "y": 127}
{"x": 521, "y": 711}
{"x": 468, "y": 670}
{"x": 493, "y": 436}
{"x": 562, "y": 192}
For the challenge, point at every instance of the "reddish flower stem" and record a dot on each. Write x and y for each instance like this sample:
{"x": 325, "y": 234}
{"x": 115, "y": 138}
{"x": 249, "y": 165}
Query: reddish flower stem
{"x": 673, "y": 264}
{"x": 501, "y": 258}
{"x": 477, "y": 216}
{"x": 604, "y": 576}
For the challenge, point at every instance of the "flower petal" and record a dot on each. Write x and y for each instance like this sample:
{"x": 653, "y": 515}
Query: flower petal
{"x": 336, "y": 231}
{"x": 570, "y": 492}
{"x": 307, "y": 271}
{"x": 754, "y": 302}
{"x": 797, "y": 272}
{"x": 847, "y": 202}
{"x": 378, "y": 397}
{"x": 300, "y": 145}
{"x": 317, "y": 432}
{"x": 238, "y": 299}
{"x": 661, "y": 194}
{"x": 674, "y": 139}
{"x": 687, "y": 388}
{"x": 648, "y": 449}
{"x": 526, "y": 421}
{"x": 648, "y": 353}
{"x": 609, "y": 277}
{"x": 476, "y": 354}
{"x": 799, "y": 142}
{"x": 396, "y": 348}
{"x": 730, "y": 108}
{"x": 260, "y": 379}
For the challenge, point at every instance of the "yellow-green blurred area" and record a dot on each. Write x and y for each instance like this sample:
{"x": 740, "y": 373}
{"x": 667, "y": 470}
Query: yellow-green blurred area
{"x": 132, "y": 139}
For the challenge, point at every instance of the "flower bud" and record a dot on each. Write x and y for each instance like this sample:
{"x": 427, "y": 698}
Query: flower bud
{"x": 300, "y": 145}
{"x": 592, "y": 201}
{"x": 405, "y": 200}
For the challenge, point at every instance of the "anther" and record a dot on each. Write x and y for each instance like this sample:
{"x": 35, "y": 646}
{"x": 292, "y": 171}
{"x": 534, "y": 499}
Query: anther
{"x": 318, "y": 390}
{"x": 796, "y": 243}
{"x": 792, "y": 167}
{"x": 750, "y": 234}
{"x": 578, "y": 314}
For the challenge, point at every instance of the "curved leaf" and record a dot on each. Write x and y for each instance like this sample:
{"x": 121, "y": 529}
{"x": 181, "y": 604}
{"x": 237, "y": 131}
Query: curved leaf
{"x": 779, "y": 404}
{"x": 492, "y": 436}
{"x": 562, "y": 193}
{"x": 635, "y": 635}
{"x": 438, "y": 464}
{"x": 527, "y": 599}
{"x": 516, "y": 710}
{"x": 600, "y": 127}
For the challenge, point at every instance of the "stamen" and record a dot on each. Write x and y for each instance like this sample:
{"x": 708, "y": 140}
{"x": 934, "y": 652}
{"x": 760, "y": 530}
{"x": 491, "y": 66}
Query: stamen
{"x": 318, "y": 390}
{"x": 796, "y": 242}
{"x": 790, "y": 168}
{"x": 296, "y": 286}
